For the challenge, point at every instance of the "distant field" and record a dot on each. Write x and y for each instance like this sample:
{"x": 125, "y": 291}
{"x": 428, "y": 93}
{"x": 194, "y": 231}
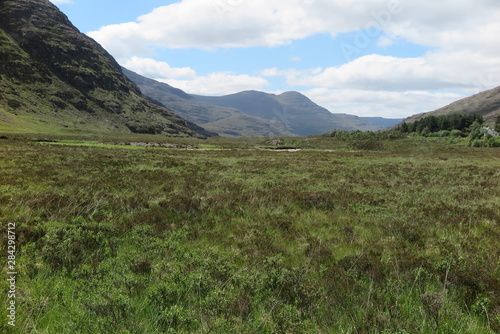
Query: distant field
{"x": 240, "y": 236}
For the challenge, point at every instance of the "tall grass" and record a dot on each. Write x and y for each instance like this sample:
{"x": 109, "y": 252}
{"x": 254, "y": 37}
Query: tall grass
{"x": 396, "y": 237}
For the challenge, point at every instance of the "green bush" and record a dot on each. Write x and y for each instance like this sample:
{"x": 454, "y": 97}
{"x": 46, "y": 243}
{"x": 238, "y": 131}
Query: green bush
{"x": 70, "y": 245}
{"x": 484, "y": 142}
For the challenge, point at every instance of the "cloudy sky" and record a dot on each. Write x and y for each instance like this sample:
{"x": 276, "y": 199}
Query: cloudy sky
{"x": 389, "y": 58}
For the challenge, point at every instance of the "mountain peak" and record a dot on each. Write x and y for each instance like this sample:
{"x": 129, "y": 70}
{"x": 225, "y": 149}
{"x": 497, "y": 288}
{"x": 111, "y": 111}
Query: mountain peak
{"x": 293, "y": 93}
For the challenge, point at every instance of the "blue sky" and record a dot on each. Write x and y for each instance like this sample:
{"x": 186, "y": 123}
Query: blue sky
{"x": 389, "y": 58}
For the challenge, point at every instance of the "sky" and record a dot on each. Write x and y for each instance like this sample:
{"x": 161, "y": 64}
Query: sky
{"x": 386, "y": 58}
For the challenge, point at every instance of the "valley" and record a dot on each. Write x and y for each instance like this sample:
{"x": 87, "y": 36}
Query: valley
{"x": 130, "y": 206}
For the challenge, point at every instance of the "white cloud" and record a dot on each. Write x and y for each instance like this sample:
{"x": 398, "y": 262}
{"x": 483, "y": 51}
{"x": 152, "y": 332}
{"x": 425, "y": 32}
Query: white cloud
{"x": 380, "y": 103}
{"x": 187, "y": 79}
{"x": 450, "y": 24}
{"x": 433, "y": 71}
{"x": 233, "y": 23}
{"x": 385, "y": 41}
{"x": 387, "y": 86}
{"x": 219, "y": 84}
{"x": 372, "y": 72}
{"x": 244, "y": 23}
{"x": 152, "y": 68}
{"x": 270, "y": 72}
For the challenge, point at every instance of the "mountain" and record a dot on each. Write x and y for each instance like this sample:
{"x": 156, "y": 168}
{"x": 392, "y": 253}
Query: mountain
{"x": 251, "y": 113}
{"x": 298, "y": 114}
{"x": 229, "y": 122}
{"x": 486, "y": 104}
{"x": 383, "y": 122}
{"x": 54, "y": 78}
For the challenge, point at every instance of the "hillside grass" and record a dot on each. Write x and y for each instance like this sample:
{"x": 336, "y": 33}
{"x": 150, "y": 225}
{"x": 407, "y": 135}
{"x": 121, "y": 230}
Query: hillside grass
{"x": 232, "y": 236}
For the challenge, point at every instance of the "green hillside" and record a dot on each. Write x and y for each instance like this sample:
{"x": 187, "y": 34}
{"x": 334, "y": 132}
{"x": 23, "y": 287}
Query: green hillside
{"x": 485, "y": 104}
{"x": 55, "y": 79}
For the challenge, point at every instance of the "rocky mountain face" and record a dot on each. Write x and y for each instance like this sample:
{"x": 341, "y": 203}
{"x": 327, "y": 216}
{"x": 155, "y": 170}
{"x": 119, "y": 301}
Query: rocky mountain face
{"x": 486, "y": 104}
{"x": 251, "y": 113}
{"x": 53, "y": 77}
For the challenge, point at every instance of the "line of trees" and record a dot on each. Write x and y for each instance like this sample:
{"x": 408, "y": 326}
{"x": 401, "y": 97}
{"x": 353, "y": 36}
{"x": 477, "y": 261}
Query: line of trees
{"x": 454, "y": 125}
{"x": 362, "y": 135}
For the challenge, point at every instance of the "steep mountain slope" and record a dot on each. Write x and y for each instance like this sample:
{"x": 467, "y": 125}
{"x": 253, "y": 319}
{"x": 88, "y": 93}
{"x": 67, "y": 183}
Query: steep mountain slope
{"x": 53, "y": 78}
{"x": 486, "y": 104}
{"x": 228, "y": 122}
{"x": 298, "y": 113}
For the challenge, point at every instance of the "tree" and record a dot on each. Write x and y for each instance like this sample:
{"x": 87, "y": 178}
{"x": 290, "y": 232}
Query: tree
{"x": 404, "y": 128}
{"x": 497, "y": 124}
{"x": 476, "y": 131}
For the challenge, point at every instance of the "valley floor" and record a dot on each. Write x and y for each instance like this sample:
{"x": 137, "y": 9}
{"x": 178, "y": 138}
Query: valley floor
{"x": 231, "y": 236}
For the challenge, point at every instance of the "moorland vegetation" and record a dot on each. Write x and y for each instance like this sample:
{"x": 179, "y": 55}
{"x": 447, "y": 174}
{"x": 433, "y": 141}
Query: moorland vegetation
{"x": 379, "y": 235}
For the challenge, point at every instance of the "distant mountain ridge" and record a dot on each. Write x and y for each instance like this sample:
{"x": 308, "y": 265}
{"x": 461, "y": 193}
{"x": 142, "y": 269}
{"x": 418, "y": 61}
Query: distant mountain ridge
{"x": 252, "y": 113}
{"x": 383, "y": 122}
{"x": 55, "y": 78}
{"x": 228, "y": 122}
{"x": 296, "y": 112}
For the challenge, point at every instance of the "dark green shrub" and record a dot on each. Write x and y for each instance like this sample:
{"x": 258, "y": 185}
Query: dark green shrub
{"x": 67, "y": 245}
{"x": 368, "y": 145}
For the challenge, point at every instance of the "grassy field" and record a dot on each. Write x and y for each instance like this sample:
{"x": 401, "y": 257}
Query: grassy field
{"x": 232, "y": 236}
